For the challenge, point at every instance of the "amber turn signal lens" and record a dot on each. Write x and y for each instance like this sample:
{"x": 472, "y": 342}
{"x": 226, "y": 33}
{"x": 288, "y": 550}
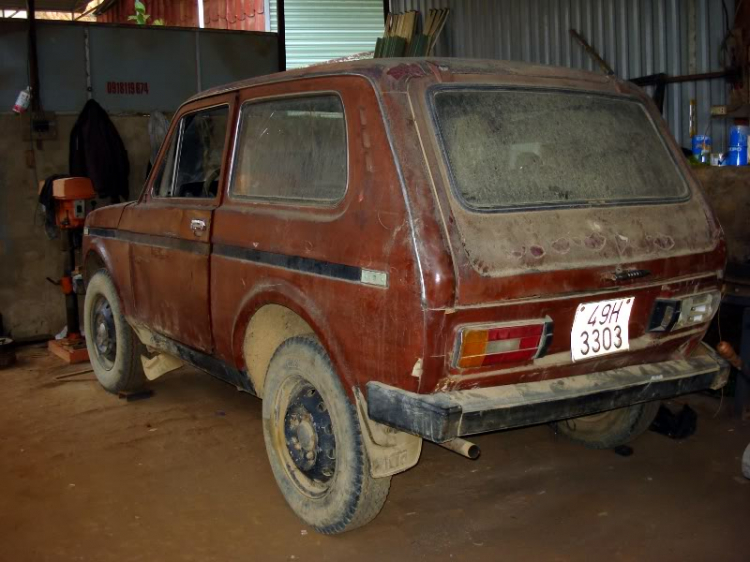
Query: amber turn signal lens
{"x": 491, "y": 345}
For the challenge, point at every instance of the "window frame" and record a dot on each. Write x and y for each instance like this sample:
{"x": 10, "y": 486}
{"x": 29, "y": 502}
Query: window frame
{"x": 455, "y": 191}
{"x": 287, "y": 201}
{"x": 178, "y": 131}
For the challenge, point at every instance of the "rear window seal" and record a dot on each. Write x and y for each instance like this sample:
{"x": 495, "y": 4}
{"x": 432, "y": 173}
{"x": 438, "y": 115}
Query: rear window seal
{"x": 437, "y": 88}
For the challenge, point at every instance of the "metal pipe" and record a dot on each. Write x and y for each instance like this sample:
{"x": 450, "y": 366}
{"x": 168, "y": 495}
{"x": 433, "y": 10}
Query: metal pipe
{"x": 606, "y": 69}
{"x": 87, "y": 59}
{"x": 281, "y": 31}
{"x": 33, "y": 60}
{"x": 462, "y": 447}
{"x": 71, "y": 299}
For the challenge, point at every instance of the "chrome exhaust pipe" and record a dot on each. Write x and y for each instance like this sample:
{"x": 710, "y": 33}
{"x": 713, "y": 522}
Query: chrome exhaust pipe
{"x": 462, "y": 447}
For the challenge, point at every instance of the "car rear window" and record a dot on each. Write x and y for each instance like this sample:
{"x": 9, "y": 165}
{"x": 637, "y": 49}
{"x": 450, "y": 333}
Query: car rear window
{"x": 511, "y": 148}
{"x": 292, "y": 149}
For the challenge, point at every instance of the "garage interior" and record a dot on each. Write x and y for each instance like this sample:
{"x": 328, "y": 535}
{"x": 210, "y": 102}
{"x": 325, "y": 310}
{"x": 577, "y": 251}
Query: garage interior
{"x": 181, "y": 472}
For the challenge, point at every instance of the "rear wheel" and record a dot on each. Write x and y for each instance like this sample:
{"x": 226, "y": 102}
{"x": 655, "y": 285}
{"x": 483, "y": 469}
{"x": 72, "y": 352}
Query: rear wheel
{"x": 314, "y": 442}
{"x": 114, "y": 349}
{"x": 607, "y": 430}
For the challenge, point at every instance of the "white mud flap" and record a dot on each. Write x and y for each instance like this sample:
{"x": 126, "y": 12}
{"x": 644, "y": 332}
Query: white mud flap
{"x": 159, "y": 365}
{"x": 390, "y": 451}
{"x": 162, "y": 363}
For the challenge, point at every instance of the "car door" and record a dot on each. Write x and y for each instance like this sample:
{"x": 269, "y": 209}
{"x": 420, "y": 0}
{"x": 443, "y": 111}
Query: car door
{"x": 170, "y": 226}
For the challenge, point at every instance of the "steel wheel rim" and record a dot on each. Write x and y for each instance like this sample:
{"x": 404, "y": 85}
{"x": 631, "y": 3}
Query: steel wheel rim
{"x": 104, "y": 332}
{"x": 305, "y": 437}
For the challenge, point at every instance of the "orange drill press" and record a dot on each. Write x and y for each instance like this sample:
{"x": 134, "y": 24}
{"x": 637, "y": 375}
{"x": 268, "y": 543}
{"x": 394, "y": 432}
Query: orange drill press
{"x": 72, "y": 199}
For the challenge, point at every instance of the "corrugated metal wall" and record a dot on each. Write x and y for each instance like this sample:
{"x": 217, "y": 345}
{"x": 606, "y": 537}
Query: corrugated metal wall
{"x": 238, "y": 15}
{"x": 321, "y": 30}
{"x": 636, "y": 37}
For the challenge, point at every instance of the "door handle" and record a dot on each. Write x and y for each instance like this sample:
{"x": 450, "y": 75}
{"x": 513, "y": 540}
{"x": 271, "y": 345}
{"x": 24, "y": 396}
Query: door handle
{"x": 197, "y": 226}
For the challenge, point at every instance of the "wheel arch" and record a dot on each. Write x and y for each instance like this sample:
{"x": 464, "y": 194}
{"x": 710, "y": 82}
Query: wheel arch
{"x": 93, "y": 262}
{"x": 98, "y": 257}
{"x": 273, "y": 314}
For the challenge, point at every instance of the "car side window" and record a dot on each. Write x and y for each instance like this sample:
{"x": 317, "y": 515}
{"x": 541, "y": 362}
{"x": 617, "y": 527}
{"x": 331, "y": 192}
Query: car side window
{"x": 192, "y": 165}
{"x": 292, "y": 149}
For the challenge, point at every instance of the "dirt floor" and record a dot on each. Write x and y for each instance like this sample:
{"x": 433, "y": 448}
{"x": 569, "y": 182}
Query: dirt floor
{"x": 184, "y": 476}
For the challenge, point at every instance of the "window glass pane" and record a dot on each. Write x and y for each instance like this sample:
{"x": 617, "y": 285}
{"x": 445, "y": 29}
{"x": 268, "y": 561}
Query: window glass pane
{"x": 198, "y": 169}
{"x": 292, "y": 149}
{"x": 163, "y": 181}
{"x": 509, "y": 148}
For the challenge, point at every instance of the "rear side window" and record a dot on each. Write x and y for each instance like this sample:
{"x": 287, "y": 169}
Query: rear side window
{"x": 292, "y": 149}
{"x": 523, "y": 148}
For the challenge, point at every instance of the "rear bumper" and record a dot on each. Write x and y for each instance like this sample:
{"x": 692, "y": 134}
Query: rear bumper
{"x": 443, "y": 416}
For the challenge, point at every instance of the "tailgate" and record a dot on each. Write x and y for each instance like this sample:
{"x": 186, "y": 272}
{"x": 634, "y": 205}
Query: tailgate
{"x": 560, "y": 200}
{"x": 546, "y": 181}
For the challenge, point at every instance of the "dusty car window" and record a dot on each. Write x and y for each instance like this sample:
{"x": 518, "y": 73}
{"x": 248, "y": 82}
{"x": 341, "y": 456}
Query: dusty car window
{"x": 163, "y": 180}
{"x": 196, "y": 166}
{"x": 292, "y": 148}
{"x": 522, "y": 148}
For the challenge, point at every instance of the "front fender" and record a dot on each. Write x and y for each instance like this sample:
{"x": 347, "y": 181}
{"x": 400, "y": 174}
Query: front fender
{"x": 114, "y": 256}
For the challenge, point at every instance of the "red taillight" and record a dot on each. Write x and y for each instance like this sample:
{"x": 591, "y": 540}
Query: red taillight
{"x": 479, "y": 346}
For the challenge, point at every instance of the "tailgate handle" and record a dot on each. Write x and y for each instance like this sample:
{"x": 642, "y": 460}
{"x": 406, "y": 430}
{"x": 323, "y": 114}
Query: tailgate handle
{"x": 630, "y": 274}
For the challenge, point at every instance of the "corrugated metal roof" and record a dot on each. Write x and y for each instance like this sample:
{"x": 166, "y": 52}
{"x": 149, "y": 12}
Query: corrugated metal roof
{"x": 321, "y": 30}
{"x": 636, "y": 37}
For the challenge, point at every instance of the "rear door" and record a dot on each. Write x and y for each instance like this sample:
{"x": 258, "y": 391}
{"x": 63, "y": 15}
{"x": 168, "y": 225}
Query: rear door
{"x": 170, "y": 226}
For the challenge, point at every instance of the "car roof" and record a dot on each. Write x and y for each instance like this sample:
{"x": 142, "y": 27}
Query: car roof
{"x": 389, "y": 74}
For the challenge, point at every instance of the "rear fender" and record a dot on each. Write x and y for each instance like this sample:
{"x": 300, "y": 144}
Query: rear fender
{"x": 282, "y": 293}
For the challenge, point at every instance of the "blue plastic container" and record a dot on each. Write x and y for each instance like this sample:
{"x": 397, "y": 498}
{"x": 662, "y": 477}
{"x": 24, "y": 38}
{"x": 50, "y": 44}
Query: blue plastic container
{"x": 702, "y": 145}
{"x": 738, "y": 135}
{"x": 737, "y": 156}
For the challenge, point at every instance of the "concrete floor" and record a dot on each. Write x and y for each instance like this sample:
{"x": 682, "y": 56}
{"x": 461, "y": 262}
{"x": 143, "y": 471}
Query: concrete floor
{"x": 184, "y": 476}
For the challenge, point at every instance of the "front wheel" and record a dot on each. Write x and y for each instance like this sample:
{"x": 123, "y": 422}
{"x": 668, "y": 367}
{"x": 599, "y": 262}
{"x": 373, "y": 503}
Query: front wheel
{"x": 607, "y": 430}
{"x": 114, "y": 349}
{"x": 314, "y": 441}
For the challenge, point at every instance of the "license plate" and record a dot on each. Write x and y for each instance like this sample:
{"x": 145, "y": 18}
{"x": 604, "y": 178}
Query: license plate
{"x": 600, "y": 328}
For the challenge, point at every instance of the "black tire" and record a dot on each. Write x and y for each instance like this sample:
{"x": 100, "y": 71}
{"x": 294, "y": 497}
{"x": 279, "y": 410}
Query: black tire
{"x": 609, "y": 429}
{"x": 307, "y": 412}
{"x": 115, "y": 356}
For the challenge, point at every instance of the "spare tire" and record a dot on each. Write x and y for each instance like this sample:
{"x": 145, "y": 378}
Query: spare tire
{"x": 611, "y": 429}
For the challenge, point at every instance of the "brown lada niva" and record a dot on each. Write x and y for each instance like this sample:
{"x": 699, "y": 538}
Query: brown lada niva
{"x": 396, "y": 250}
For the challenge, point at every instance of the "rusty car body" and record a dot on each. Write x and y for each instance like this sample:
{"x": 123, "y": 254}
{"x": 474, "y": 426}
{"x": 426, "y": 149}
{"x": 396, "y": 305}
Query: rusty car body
{"x": 400, "y": 282}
